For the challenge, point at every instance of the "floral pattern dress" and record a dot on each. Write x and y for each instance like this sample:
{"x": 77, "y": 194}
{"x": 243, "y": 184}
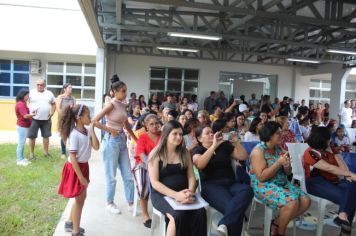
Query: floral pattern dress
{"x": 278, "y": 191}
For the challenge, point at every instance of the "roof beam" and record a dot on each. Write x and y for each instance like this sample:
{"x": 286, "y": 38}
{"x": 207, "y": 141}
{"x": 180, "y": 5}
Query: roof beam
{"x": 253, "y": 12}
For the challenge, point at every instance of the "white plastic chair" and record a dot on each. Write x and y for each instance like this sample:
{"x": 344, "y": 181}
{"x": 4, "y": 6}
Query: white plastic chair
{"x": 161, "y": 223}
{"x": 296, "y": 154}
{"x": 135, "y": 204}
{"x": 268, "y": 215}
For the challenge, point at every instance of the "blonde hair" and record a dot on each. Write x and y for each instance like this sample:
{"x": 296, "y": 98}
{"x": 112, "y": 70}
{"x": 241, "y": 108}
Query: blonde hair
{"x": 282, "y": 120}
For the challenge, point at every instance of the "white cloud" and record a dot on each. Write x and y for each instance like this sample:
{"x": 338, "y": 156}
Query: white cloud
{"x": 56, "y": 26}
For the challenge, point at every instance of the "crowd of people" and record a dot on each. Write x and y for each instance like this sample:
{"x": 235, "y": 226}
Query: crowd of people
{"x": 161, "y": 146}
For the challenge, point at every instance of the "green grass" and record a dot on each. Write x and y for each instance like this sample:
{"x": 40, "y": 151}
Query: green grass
{"x": 29, "y": 203}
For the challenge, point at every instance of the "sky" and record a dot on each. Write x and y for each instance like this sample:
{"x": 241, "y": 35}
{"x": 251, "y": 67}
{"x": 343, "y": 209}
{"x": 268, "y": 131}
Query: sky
{"x": 48, "y": 26}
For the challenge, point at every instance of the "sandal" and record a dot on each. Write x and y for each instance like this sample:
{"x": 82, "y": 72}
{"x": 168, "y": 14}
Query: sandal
{"x": 147, "y": 223}
{"x": 273, "y": 224}
{"x": 68, "y": 227}
{"x": 342, "y": 223}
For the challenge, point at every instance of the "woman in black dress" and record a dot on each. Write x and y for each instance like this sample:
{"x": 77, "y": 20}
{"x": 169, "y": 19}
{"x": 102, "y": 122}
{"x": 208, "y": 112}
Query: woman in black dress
{"x": 171, "y": 174}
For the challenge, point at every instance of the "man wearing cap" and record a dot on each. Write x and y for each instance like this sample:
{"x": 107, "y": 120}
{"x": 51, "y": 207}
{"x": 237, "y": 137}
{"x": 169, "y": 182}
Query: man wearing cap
{"x": 43, "y": 102}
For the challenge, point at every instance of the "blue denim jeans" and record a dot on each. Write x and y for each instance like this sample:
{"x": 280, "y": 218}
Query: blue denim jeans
{"x": 115, "y": 155}
{"x": 22, "y": 135}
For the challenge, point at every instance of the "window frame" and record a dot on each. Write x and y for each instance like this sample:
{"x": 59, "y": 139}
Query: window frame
{"x": 12, "y": 71}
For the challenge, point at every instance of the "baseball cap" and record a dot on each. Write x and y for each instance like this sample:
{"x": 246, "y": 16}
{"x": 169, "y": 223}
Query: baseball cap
{"x": 243, "y": 107}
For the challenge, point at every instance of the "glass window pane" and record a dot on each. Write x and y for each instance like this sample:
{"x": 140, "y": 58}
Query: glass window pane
{"x": 89, "y": 69}
{"x": 76, "y": 93}
{"x": 350, "y": 86}
{"x": 326, "y": 84}
{"x": 89, "y": 94}
{"x": 21, "y": 78}
{"x": 325, "y": 94}
{"x": 174, "y": 73}
{"x": 191, "y": 74}
{"x": 157, "y": 85}
{"x": 4, "y": 90}
{"x": 158, "y": 73}
{"x": 55, "y": 80}
{"x": 315, "y": 83}
{"x": 55, "y": 91}
{"x": 89, "y": 81}
{"x": 75, "y": 80}
{"x": 314, "y": 93}
{"x": 22, "y": 66}
{"x": 5, "y": 65}
{"x": 350, "y": 95}
{"x": 174, "y": 86}
{"x": 74, "y": 68}
{"x": 5, "y": 77}
{"x": 190, "y": 86}
{"x": 16, "y": 89}
{"x": 55, "y": 67}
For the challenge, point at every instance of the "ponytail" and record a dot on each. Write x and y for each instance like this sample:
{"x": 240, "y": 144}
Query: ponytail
{"x": 68, "y": 117}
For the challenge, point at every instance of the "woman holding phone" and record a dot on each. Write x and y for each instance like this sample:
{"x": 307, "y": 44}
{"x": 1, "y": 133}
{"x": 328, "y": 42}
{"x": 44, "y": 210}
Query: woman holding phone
{"x": 270, "y": 167}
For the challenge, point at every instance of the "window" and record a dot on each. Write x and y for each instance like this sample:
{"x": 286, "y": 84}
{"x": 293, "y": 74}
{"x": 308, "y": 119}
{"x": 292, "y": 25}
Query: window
{"x": 173, "y": 80}
{"x": 81, "y": 76}
{"x": 14, "y": 75}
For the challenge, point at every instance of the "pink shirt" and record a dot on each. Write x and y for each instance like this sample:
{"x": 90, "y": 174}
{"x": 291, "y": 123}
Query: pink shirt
{"x": 118, "y": 115}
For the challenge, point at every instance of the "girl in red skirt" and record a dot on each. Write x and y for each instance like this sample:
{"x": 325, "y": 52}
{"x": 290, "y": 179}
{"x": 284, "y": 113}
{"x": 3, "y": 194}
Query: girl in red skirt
{"x": 75, "y": 175}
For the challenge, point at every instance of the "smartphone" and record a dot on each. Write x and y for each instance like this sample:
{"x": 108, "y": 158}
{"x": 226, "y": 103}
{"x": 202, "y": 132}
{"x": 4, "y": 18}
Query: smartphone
{"x": 226, "y": 136}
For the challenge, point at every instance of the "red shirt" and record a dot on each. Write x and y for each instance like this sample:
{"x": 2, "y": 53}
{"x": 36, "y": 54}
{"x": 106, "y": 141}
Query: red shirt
{"x": 144, "y": 146}
{"x": 287, "y": 137}
{"x": 311, "y": 157}
{"x": 21, "y": 109}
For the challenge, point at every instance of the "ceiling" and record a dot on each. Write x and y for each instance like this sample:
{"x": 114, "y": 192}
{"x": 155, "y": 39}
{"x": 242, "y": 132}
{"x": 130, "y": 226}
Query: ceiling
{"x": 253, "y": 31}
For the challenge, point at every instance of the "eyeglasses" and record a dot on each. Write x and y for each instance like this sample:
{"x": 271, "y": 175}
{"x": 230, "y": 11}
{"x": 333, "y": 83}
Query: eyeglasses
{"x": 40, "y": 85}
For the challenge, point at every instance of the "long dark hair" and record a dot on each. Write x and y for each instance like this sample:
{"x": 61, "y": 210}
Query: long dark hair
{"x": 68, "y": 117}
{"x": 254, "y": 124}
{"x": 139, "y": 101}
{"x": 160, "y": 151}
{"x": 22, "y": 94}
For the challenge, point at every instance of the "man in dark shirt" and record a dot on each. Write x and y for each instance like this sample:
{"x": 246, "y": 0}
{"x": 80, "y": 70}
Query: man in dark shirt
{"x": 210, "y": 102}
{"x": 303, "y": 109}
{"x": 284, "y": 107}
{"x": 222, "y": 101}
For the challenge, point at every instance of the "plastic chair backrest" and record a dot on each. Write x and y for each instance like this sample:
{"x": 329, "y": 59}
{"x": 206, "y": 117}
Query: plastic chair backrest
{"x": 296, "y": 153}
{"x": 351, "y": 134}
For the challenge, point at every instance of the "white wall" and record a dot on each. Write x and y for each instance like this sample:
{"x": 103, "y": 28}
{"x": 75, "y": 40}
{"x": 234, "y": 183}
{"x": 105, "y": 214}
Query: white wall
{"x": 247, "y": 88}
{"x": 134, "y": 70}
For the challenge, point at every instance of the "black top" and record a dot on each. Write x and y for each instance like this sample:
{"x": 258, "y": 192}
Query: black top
{"x": 219, "y": 166}
{"x": 173, "y": 176}
{"x": 303, "y": 110}
{"x": 284, "y": 109}
{"x": 266, "y": 108}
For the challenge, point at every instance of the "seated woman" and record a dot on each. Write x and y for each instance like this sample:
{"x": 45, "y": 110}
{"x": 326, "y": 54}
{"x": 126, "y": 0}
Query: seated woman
{"x": 322, "y": 172}
{"x": 171, "y": 174}
{"x": 145, "y": 143}
{"x": 213, "y": 157}
{"x": 269, "y": 170}
{"x": 287, "y": 136}
{"x": 189, "y": 137}
{"x": 252, "y": 133}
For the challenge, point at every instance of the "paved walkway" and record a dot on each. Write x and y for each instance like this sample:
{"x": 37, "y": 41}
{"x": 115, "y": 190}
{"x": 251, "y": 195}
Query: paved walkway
{"x": 98, "y": 221}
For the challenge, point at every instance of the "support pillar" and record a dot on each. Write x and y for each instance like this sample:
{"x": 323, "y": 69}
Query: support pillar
{"x": 338, "y": 86}
{"x": 99, "y": 83}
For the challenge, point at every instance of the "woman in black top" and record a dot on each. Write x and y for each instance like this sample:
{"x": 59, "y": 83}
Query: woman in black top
{"x": 213, "y": 157}
{"x": 171, "y": 174}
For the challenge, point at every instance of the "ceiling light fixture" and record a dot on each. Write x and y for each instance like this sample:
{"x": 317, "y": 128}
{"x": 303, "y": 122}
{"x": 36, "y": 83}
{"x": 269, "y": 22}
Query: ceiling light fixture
{"x": 341, "y": 51}
{"x": 195, "y": 36}
{"x": 303, "y": 60}
{"x": 178, "y": 49}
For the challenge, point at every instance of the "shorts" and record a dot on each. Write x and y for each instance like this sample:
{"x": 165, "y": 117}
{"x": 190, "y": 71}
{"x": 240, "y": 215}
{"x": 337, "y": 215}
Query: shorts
{"x": 44, "y": 125}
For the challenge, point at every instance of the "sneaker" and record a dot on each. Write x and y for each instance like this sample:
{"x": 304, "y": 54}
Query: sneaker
{"x": 222, "y": 230}
{"x": 23, "y": 162}
{"x": 63, "y": 156}
{"x": 113, "y": 208}
{"x": 68, "y": 227}
{"x": 78, "y": 234}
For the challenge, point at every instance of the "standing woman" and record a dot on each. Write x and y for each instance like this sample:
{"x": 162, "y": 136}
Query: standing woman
{"x": 63, "y": 100}
{"x": 115, "y": 154}
{"x": 145, "y": 143}
{"x": 23, "y": 123}
{"x": 171, "y": 174}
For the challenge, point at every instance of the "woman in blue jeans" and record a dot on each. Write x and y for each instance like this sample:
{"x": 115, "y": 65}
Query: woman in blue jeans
{"x": 213, "y": 157}
{"x": 323, "y": 170}
{"x": 114, "y": 147}
{"x": 22, "y": 124}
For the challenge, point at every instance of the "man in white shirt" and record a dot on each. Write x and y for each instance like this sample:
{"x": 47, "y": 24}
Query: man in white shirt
{"x": 43, "y": 102}
{"x": 345, "y": 114}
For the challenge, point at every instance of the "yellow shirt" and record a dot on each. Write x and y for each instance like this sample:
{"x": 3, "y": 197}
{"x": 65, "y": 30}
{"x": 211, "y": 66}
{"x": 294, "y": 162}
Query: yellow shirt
{"x": 213, "y": 118}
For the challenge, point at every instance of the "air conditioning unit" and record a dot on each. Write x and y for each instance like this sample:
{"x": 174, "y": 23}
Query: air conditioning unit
{"x": 35, "y": 66}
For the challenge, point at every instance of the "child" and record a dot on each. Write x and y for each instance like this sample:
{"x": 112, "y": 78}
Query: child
{"x": 75, "y": 174}
{"x": 340, "y": 143}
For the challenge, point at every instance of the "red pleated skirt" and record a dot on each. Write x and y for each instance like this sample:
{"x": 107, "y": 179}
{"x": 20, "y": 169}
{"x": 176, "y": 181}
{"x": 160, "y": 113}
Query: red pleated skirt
{"x": 70, "y": 185}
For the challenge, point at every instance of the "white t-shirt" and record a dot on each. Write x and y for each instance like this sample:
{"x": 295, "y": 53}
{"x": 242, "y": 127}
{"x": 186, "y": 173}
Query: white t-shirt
{"x": 249, "y": 137}
{"x": 42, "y": 102}
{"x": 305, "y": 131}
{"x": 79, "y": 143}
{"x": 346, "y": 117}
